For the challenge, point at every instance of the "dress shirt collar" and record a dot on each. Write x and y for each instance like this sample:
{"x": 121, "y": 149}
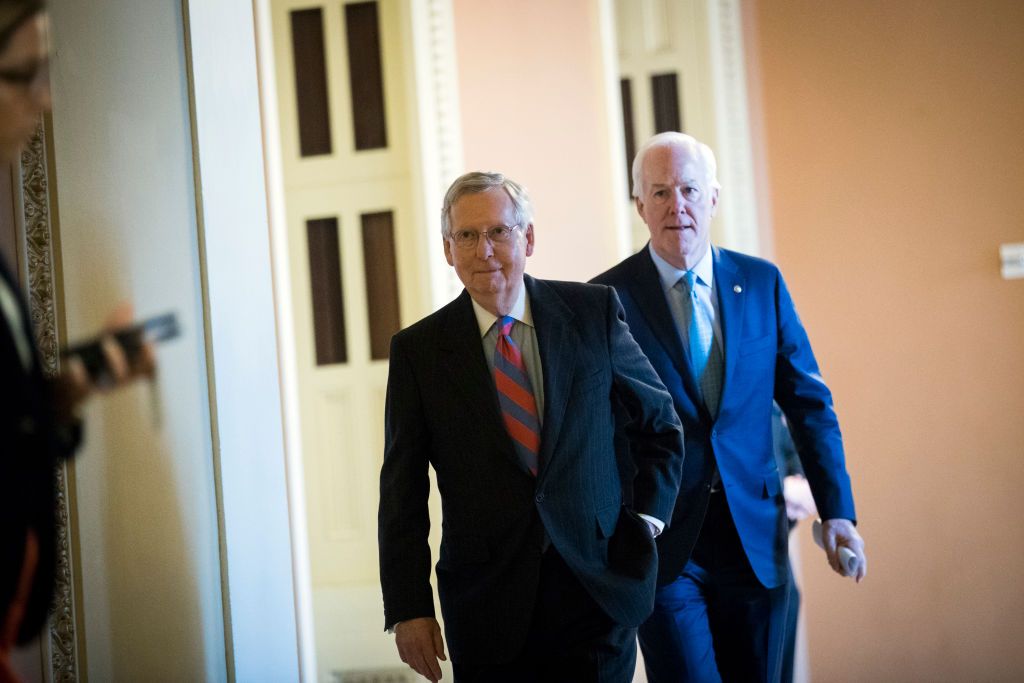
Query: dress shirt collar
{"x": 669, "y": 274}
{"x": 520, "y": 311}
{"x": 10, "y": 310}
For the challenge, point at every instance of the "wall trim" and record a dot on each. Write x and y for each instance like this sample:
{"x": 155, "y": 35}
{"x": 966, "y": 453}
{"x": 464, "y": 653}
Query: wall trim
{"x": 438, "y": 130}
{"x": 740, "y": 230}
{"x": 42, "y": 254}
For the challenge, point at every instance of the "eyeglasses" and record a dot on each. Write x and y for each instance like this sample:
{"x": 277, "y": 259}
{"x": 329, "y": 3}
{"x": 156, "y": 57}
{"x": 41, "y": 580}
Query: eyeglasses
{"x": 468, "y": 239}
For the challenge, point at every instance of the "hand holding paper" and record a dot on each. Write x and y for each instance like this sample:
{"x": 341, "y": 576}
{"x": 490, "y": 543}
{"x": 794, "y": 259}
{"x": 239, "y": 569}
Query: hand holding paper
{"x": 846, "y": 545}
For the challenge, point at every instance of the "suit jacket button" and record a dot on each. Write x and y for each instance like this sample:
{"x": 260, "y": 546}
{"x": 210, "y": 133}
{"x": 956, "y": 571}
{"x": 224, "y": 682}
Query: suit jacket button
{"x": 540, "y": 497}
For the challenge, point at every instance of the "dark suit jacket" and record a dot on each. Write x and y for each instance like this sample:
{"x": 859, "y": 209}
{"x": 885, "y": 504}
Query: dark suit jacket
{"x": 30, "y": 446}
{"x": 442, "y": 410}
{"x": 767, "y": 355}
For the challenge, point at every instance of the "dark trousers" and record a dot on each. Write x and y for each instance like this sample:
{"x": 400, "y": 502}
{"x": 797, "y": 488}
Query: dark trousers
{"x": 716, "y": 621}
{"x": 570, "y": 639}
{"x": 792, "y": 619}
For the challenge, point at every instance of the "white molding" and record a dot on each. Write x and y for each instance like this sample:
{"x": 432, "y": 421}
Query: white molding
{"x": 288, "y": 369}
{"x": 739, "y": 229}
{"x": 260, "y": 618}
{"x": 613, "y": 105}
{"x": 437, "y": 130}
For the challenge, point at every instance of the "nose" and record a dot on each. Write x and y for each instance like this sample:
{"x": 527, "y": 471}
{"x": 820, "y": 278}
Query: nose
{"x": 678, "y": 204}
{"x": 484, "y": 248}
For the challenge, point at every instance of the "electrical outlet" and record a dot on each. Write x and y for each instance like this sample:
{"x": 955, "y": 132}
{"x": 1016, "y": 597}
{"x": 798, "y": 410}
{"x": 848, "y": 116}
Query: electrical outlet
{"x": 1012, "y": 256}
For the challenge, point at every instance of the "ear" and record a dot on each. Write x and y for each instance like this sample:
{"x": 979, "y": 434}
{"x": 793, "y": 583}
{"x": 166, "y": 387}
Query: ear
{"x": 639, "y": 204}
{"x": 448, "y": 251}
{"x": 529, "y": 239}
{"x": 714, "y": 201}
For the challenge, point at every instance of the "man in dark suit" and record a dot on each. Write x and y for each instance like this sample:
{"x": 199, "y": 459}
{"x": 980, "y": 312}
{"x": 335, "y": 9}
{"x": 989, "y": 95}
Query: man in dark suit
{"x": 722, "y": 332}
{"x": 508, "y": 392}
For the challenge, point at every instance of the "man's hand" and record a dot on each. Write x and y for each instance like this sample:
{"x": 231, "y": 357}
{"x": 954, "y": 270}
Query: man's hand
{"x": 420, "y": 645}
{"x": 841, "y": 532}
{"x": 799, "y": 501}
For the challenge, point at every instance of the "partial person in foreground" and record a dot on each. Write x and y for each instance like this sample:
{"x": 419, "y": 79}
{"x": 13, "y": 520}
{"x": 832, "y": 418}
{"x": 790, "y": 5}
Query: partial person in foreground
{"x": 38, "y": 421}
{"x": 507, "y": 392}
{"x": 799, "y": 506}
{"x": 723, "y": 334}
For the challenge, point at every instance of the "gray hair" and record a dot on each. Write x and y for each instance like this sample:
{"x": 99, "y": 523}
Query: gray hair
{"x": 481, "y": 181}
{"x": 674, "y": 139}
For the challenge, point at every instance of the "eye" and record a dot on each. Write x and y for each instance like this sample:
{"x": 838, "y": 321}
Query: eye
{"x": 499, "y": 233}
{"x": 691, "y": 192}
{"x": 660, "y": 194}
{"x": 463, "y": 235}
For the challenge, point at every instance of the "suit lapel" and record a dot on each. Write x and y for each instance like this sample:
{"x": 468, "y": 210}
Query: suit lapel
{"x": 466, "y": 365}
{"x": 650, "y": 299}
{"x": 556, "y": 337}
{"x": 730, "y": 285}
{"x": 8, "y": 342}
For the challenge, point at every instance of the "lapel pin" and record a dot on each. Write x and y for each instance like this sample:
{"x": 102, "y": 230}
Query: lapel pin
{"x": 737, "y": 289}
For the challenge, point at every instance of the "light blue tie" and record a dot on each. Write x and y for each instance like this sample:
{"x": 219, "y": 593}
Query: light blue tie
{"x": 704, "y": 354}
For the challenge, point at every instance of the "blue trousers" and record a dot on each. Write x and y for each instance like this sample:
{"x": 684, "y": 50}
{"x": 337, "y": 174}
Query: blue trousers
{"x": 715, "y": 621}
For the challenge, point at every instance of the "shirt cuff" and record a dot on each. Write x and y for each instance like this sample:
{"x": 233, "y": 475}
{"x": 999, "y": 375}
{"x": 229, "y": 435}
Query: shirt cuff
{"x": 657, "y": 526}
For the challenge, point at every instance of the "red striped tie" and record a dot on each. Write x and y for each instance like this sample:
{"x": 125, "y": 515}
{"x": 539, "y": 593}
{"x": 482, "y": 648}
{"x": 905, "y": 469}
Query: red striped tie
{"x": 515, "y": 396}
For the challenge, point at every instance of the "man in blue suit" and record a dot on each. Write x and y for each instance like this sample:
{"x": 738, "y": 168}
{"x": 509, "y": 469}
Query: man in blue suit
{"x": 509, "y": 394}
{"x": 722, "y": 332}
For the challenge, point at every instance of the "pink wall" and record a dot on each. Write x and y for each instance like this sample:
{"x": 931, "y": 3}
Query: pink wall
{"x": 531, "y": 85}
{"x": 894, "y": 148}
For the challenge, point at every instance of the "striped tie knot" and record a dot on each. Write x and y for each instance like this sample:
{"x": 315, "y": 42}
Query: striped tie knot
{"x": 505, "y": 325}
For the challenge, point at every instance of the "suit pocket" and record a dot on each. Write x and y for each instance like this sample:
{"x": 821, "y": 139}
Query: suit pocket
{"x": 631, "y": 549}
{"x": 772, "y": 486}
{"x": 757, "y": 344}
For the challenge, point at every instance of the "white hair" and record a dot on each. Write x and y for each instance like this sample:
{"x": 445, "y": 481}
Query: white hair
{"x": 481, "y": 181}
{"x": 674, "y": 139}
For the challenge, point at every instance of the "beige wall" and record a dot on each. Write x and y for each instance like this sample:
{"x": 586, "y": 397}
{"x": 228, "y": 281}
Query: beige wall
{"x": 150, "y": 604}
{"x": 894, "y": 151}
{"x": 533, "y": 97}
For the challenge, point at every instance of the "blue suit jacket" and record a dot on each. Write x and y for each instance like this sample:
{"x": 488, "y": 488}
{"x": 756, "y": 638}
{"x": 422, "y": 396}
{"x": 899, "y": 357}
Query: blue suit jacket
{"x": 767, "y": 356}
{"x": 442, "y": 412}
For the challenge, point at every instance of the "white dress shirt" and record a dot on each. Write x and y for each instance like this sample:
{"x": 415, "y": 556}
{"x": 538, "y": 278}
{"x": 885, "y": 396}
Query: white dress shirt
{"x": 11, "y": 312}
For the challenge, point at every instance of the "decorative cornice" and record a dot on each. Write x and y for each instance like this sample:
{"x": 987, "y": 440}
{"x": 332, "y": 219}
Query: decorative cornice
{"x": 42, "y": 296}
